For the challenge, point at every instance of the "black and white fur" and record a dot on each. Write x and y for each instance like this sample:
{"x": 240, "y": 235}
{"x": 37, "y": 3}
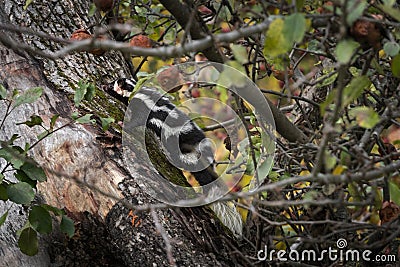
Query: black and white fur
{"x": 184, "y": 143}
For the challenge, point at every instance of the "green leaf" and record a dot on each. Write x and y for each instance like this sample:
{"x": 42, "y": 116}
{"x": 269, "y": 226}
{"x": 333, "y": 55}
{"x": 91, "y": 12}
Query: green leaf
{"x": 74, "y": 115}
{"x": 3, "y": 192}
{"x": 345, "y": 50}
{"x": 366, "y": 117}
{"x": 395, "y": 65}
{"x": 330, "y": 160}
{"x": 230, "y": 76}
{"x": 275, "y": 43}
{"x": 354, "y": 89}
{"x": 354, "y": 71}
{"x": 299, "y": 4}
{"x": 15, "y": 93}
{"x": 3, "y": 92}
{"x": 85, "y": 119}
{"x": 23, "y": 177}
{"x": 345, "y": 158}
{"x": 105, "y": 123}
{"x": 40, "y": 220}
{"x": 20, "y": 193}
{"x": 263, "y": 169}
{"x": 34, "y": 172}
{"x": 329, "y": 100}
{"x": 327, "y": 79}
{"x": 28, "y": 242}
{"x": 355, "y": 9}
{"x": 314, "y": 46}
{"x": 80, "y": 93}
{"x": 35, "y": 120}
{"x": 1, "y": 177}
{"x": 328, "y": 189}
{"x": 310, "y": 195}
{"x": 394, "y": 192}
{"x": 391, "y": 48}
{"x": 85, "y": 91}
{"x": 354, "y": 192}
{"x": 13, "y": 154}
{"x": 90, "y": 93}
{"x": 389, "y": 2}
{"x": 273, "y": 176}
{"x": 393, "y": 12}
{"x": 56, "y": 211}
{"x": 92, "y": 10}
{"x": 240, "y": 53}
{"x": 53, "y": 120}
{"x": 223, "y": 94}
{"x": 28, "y": 96}
{"x": 294, "y": 28}
{"x": 170, "y": 37}
{"x": 378, "y": 199}
{"x": 27, "y": 147}
{"x": 375, "y": 65}
{"x": 3, "y": 218}
{"x": 27, "y": 3}
{"x": 67, "y": 226}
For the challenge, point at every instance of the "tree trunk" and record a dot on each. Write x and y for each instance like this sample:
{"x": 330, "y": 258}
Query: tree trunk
{"x": 80, "y": 161}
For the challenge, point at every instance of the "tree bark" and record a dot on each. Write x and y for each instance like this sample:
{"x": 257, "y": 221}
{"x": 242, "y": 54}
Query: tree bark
{"x": 80, "y": 158}
{"x": 72, "y": 150}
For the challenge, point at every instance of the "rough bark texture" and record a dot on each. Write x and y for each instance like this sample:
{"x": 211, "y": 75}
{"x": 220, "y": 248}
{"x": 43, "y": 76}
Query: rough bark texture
{"x": 79, "y": 151}
{"x": 72, "y": 150}
{"x": 197, "y": 238}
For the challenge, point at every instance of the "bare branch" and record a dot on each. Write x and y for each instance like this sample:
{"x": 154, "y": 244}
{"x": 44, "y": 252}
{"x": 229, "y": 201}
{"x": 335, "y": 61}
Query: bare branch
{"x": 161, "y": 231}
{"x": 163, "y": 52}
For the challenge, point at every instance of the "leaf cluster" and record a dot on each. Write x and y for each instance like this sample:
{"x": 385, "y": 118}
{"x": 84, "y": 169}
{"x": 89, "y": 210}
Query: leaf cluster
{"x": 20, "y": 175}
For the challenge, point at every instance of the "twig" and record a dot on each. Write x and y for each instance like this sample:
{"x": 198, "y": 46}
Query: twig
{"x": 161, "y": 231}
{"x": 292, "y": 96}
{"x": 330, "y": 123}
{"x": 163, "y": 52}
{"x": 222, "y": 124}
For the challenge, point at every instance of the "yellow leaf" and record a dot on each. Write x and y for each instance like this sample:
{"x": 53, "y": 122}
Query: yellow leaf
{"x": 275, "y": 42}
{"x": 245, "y": 181}
{"x": 280, "y": 245}
{"x": 244, "y": 211}
{"x": 304, "y": 173}
{"x": 374, "y": 218}
{"x": 339, "y": 169}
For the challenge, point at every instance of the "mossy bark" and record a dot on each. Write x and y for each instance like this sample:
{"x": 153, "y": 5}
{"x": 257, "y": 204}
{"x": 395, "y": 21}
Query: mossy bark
{"x": 80, "y": 151}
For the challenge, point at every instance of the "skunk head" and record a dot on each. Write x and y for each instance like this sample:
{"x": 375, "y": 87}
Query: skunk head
{"x": 121, "y": 89}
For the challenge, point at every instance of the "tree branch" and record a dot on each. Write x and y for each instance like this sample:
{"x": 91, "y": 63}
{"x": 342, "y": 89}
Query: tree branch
{"x": 287, "y": 129}
{"x": 319, "y": 178}
{"x": 183, "y": 16}
{"x": 163, "y": 52}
